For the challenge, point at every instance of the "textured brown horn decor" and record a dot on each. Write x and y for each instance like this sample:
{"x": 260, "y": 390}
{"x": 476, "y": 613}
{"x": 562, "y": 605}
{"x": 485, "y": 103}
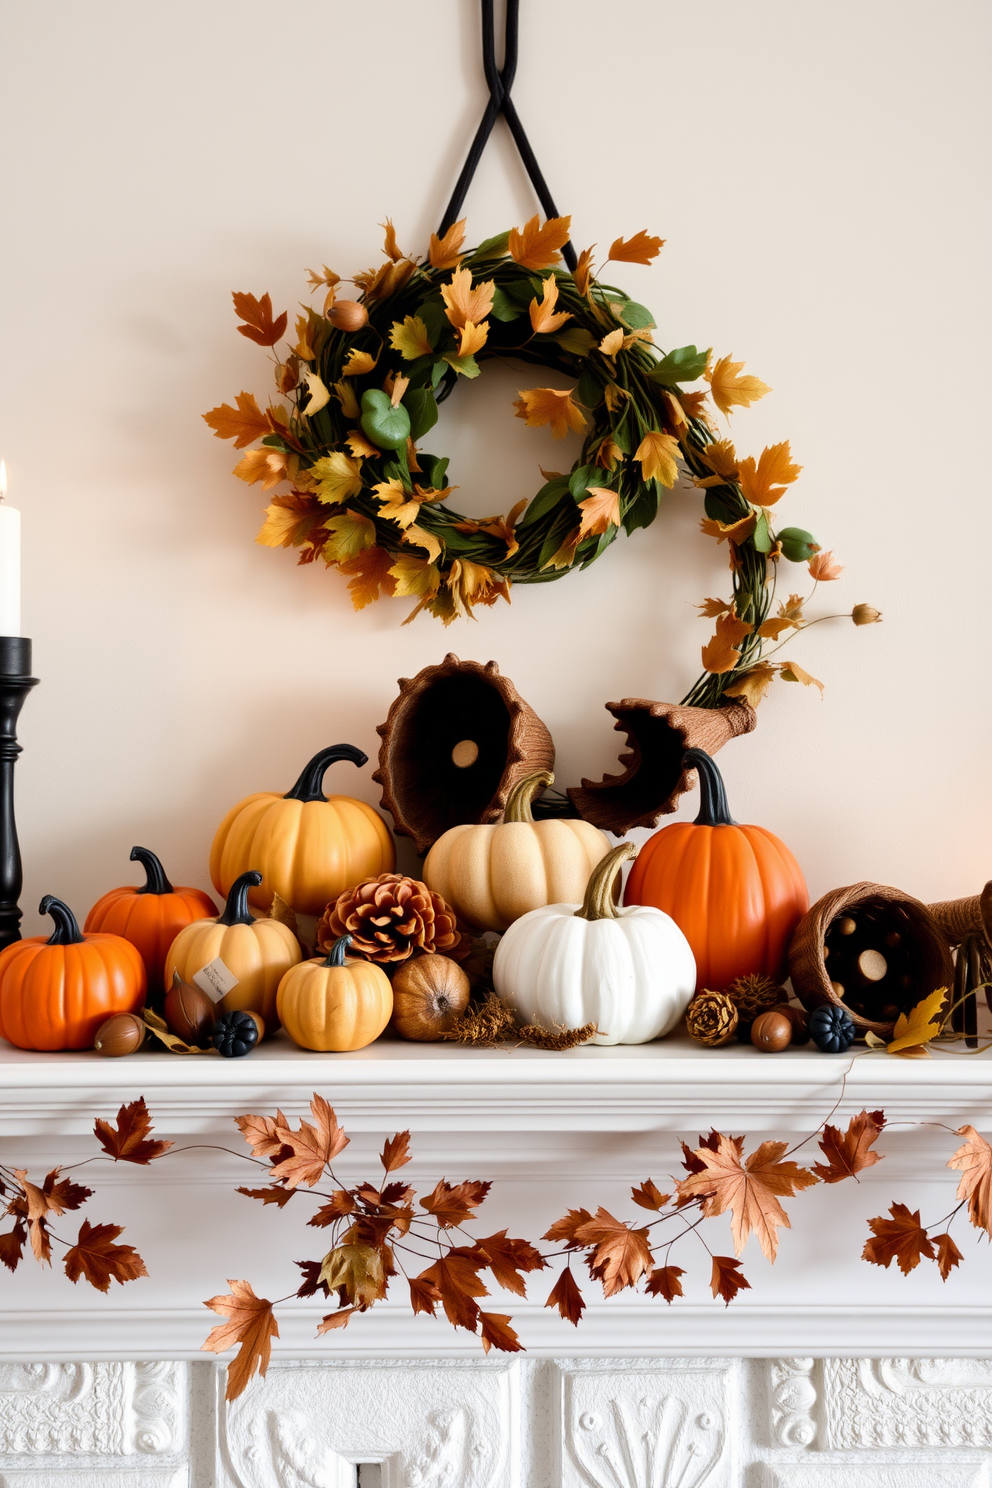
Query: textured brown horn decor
{"x": 653, "y": 775}
{"x": 959, "y": 918}
{"x": 457, "y": 709}
{"x": 885, "y": 918}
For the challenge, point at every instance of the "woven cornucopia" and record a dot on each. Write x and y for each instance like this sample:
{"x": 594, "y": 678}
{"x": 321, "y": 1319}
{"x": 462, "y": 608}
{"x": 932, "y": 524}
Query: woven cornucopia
{"x": 391, "y": 917}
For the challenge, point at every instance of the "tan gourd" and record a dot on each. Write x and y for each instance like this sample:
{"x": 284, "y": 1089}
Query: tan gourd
{"x": 493, "y": 874}
{"x": 334, "y": 1004}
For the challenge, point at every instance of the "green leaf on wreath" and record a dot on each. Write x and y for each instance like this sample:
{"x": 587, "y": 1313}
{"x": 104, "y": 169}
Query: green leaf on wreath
{"x": 577, "y": 341}
{"x": 431, "y": 312}
{"x": 589, "y": 391}
{"x": 685, "y": 364}
{"x": 762, "y": 534}
{"x": 433, "y": 470}
{"x": 439, "y": 369}
{"x": 387, "y": 426}
{"x": 636, "y": 316}
{"x": 546, "y": 499}
{"x": 643, "y": 509}
{"x": 503, "y": 306}
{"x": 722, "y": 504}
{"x": 466, "y": 365}
{"x": 275, "y": 441}
{"x": 421, "y": 405}
{"x": 496, "y": 247}
{"x": 581, "y": 479}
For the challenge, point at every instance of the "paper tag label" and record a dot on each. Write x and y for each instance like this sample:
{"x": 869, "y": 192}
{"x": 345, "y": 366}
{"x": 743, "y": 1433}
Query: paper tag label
{"x": 215, "y": 979}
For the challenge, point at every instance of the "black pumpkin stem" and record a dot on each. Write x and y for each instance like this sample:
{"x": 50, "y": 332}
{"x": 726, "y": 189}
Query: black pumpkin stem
{"x": 66, "y": 930}
{"x": 310, "y": 786}
{"x": 713, "y": 808}
{"x": 236, "y": 909}
{"x": 155, "y": 879}
{"x": 336, "y": 955}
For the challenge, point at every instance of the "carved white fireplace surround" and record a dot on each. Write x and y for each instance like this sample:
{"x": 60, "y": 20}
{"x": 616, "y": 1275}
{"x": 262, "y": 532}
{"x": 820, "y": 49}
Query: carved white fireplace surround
{"x": 829, "y": 1373}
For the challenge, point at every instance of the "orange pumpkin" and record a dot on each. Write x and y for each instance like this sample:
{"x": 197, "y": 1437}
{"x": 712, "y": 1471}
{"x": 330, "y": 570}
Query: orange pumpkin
{"x": 55, "y": 993}
{"x": 736, "y": 892}
{"x": 150, "y": 917}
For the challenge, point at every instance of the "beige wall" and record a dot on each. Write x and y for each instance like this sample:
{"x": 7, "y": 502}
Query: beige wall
{"x": 821, "y": 174}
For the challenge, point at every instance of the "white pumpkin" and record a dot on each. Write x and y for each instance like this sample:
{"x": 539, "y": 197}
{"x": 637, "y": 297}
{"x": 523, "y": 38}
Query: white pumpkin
{"x": 630, "y": 971}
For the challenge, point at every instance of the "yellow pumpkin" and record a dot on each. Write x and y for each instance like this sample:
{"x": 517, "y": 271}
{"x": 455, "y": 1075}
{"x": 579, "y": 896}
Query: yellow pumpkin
{"x": 309, "y": 848}
{"x": 257, "y": 953}
{"x": 333, "y": 1003}
{"x": 493, "y": 874}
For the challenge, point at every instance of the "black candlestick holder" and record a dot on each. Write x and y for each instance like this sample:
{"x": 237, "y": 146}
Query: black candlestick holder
{"x": 15, "y": 684}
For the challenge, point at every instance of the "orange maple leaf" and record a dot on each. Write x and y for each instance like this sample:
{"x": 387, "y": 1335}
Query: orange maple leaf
{"x": 620, "y": 1256}
{"x": 823, "y": 568}
{"x": 600, "y": 510}
{"x": 257, "y": 315}
{"x": 396, "y": 1151}
{"x": 901, "y": 1239}
{"x": 658, "y": 453}
{"x": 464, "y": 301}
{"x": 273, "y": 1193}
{"x": 552, "y": 406}
{"x": 544, "y": 321}
{"x": 243, "y": 424}
{"x": 446, "y": 252}
{"x": 339, "y": 1319}
{"x": 664, "y": 1282}
{"x": 290, "y": 520}
{"x": 734, "y": 532}
{"x": 727, "y": 1279}
{"x": 311, "y": 1148}
{"x": 97, "y": 1259}
{"x": 370, "y": 572}
{"x": 452, "y": 1204}
{"x": 850, "y": 1153}
{"x": 764, "y": 481}
{"x": 567, "y": 1228}
{"x": 752, "y": 685}
{"x": 750, "y": 1190}
{"x": 948, "y": 1255}
{"x": 567, "y": 1298}
{"x": 128, "y": 1141}
{"x": 261, "y": 1133}
{"x": 720, "y": 653}
{"x": 729, "y": 389}
{"x": 974, "y": 1159}
{"x": 496, "y": 1333}
{"x": 649, "y": 1196}
{"x": 455, "y": 1277}
{"x": 536, "y": 247}
{"x": 506, "y": 1257}
{"x": 265, "y": 465}
{"x": 251, "y": 1325}
{"x": 641, "y": 248}
{"x": 583, "y": 271}
{"x": 424, "y": 1295}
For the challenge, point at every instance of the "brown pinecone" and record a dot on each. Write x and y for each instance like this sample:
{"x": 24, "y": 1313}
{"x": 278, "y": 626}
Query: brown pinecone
{"x": 711, "y": 1018}
{"x": 755, "y": 993}
{"x": 389, "y": 918}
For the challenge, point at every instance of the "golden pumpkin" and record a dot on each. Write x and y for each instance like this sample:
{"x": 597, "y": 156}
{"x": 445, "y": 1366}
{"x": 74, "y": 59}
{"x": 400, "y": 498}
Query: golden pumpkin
{"x": 334, "y": 1004}
{"x": 256, "y": 952}
{"x": 309, "y": 848}
{"x": 493, "y": 874}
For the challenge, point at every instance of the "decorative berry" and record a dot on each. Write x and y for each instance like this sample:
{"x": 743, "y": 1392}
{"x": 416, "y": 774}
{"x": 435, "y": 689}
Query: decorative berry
{"x": 235, "y": 1034}
{"x": 831, "y": 1029}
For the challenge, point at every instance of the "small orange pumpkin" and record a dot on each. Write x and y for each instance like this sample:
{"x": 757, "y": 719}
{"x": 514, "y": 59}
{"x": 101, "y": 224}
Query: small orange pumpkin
{"x": 55, "y": 993}
{"x": 334, "y": 1004}
{"x": 736, "y": 892}
{"x": 150, "y": 917}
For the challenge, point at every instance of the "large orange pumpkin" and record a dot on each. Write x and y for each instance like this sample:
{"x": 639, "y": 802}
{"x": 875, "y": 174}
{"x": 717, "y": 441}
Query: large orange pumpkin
{"x": 150, "y": 917}
{"x": 55, "y": 993}
{"x": 736, "y": 892}
{"x": 308, "y": 848}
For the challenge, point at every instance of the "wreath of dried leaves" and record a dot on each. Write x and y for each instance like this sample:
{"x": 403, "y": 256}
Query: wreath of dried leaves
{"x": 364, "y": 379}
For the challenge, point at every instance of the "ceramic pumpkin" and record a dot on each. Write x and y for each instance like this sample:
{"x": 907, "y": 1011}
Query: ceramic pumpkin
{"x": 334, "y": 1004}
{"x": 493, "y": 873}
{"x": 629, "y": 971}
{"x": 309, "y": 848}
{"x": 56, "y": 993}
{"x": 150, "y": 917}
{"x": 735, "y": 891}
{"x": 257, "y": 953}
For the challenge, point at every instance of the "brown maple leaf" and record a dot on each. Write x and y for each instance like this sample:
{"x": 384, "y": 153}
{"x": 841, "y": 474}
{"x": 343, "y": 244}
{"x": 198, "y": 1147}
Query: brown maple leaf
{"x": 664, "y": 1282}
{"x": 948, "y": 1255}
{"x": 243, "y": 424}
{"x": 128, "y": 1140}
{"x": 565, "y": 1295}
{"x": 339, "y": 1319}
{"x": 649, "y": 1196}
{"x": 98, "y": 1260}
{"x": 273, "y": 1193}
{"x": 850, "y": 1153}
{"x": 251, "y": 1325}
{"x": 339, "y": 1206}
{"x": 32, "y": 1204}
{"x": 974, "y": 1159}
{"x": 452, "y": 1204}
{"x": 311, "y": 1148}
{"x": 497, "y": 1333}
{"x": 261, "y": 1134}
{"x": 506, "y": 1258}
{"x": 257, "y": 315}
{"x": 62, "y": 1194}
{"x": 727, "y": 1279}
{"x": 424, "y": 1295}
{"x": 750, "y": 1190}
{"x": 12, "y": 1246}
{"x": 311, "y": 1283}
{"x": 536, "y": 247}
{"x": 456, "y": 1279}
{"x": 396, "y": 1152}
{"x": 901, "y": 1239}
{"x": 621, "y": 1254}
{"x": 357, "y": 1273}
{"x": 567, "y": 1227}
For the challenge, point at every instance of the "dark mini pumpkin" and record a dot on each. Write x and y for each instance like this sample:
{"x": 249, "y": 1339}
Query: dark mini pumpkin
{"x": 235, "y": 1034}
{"x": 831, "y": 1029}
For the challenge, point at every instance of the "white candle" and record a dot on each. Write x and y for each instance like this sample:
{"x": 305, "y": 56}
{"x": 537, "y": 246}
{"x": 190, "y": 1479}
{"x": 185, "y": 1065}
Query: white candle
{"x": 10, "y": 562}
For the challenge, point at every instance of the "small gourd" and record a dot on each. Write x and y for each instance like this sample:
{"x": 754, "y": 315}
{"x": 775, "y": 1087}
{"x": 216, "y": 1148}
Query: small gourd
{"x": 629, "y": 971}
{"x": 257, "y": 953}
{"x": 308, "y": 847}
{"x": 151, "y": 916}
{"x": 334, "y": 1004}
{"x": 429, "y": 993}
{"x": 493, "y": 873}
{"x": 831, "y": 1028}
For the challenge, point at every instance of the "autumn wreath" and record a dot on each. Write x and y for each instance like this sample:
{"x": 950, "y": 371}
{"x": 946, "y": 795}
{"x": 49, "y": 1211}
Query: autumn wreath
{"x": 365, "y": 377}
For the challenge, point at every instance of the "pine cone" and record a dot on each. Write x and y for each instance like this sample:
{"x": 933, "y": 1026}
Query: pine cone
{"x": 711, "y": 1018}
{"x": 389, "y": 918}
{"x": 754, "y": 994}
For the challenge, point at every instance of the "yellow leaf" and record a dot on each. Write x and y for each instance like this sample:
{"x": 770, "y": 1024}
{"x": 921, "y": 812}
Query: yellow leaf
{"x": 734, "y": 532}
{"x": 326, "y": 276}
{"x": 790, "y": 672}
{"x": 657, "y": 453}
{"x": 729, "y": 389}
{"x": 345, "y": 394}
{"x": 752, "y": 685}
{"x": 674, "y": 410}
{"x": 612, "y": 342}
{"x": 397, "y": 505}
{"x": 764, "y": 482}
{"x": 390, "y": 249}
{"x": 792, "y": 608}
{"x": 543, "y": 319}
{"x": 583, "y": 271}
{"x": 463, "y": 302}
{"x": 536, "y": 247}
{"x": 361, "y": 448}
{"x": 369, "y": 572}
{"x": 600, "y": 510}
{"x": 350, "y": 534}
{"x": 410, "y": 338}
{"x": 613, "y": 396}
{"x": 721, "y": 458}
{"x": 609, "y": 453}
{"x": 358, "y": 364}
{"x": 396, "y": 385}
{"x": 338, "y": 477}
{"x": 304, "y": 346}
{"x": 641, "y": 248}
{"x": 355, "y": 1270}
{"x": 265, "y": 465}
{"x": 415, "y": 576}
{"x": 540, "y": 406}
{"x": 290, "y": 520}
{"x": 243, "y": 424}
{"x": 446, "y": 252}
{"x": 565, "y": 556}
{"x": 421, "y": 538}
{"x": 770, "y": 630}
{"x": 720, "y": 653}
{"x": 920, "y": 1024}
{"x": 472, "y": 338}
{"x": 320, "y": 396}
{"x": 823, "y": 569}
{"x": 388, "y": 279}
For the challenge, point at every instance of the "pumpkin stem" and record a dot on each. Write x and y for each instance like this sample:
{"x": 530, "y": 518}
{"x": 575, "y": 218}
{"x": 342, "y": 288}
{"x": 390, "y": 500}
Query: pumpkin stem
{"x": 155, "y": 879}
{"x": 66, "y": 930}
{"x": 310, "y": 786}
{"x": 520, "y": 798}
{"x": 713, "y": 808}
{"x": 599, "y": 903}
{"x": 236, "y": 909}
{"x": 336, "y": 955}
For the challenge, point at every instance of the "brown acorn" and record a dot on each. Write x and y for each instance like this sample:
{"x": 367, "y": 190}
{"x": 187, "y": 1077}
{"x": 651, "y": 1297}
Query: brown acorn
{"x": 428, "y": 994}
{"x": 800, "y": 1025}
{"x": 121, "y": 1033}
{"x": 771, "y": 1032}
{"x": 189, "y": 1013}
{"x": 347, "y": 315}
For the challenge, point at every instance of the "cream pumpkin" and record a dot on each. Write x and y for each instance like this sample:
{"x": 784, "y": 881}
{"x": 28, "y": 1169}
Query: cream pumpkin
{"x": 335, "y": 1004}
{"x": 257, "y": 952}
{"x": 492, "y": 874}
{"x": 309, "y": 848}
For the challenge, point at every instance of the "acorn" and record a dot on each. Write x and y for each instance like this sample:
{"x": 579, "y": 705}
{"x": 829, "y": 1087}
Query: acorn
{"x": 800, "y": 1026}
{"x": 121, "y": 1033}
{"x": 347, "y": 315}
{"x": 771, "y": 1032}
{"x": 189, "y": 1012}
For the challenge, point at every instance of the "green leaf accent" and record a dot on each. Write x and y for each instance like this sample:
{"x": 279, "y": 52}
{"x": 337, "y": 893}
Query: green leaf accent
{"x": 440, "y": 368}
{"x": 643, "y": 510}
{"x": 636, "y": 316}
{"x": 547, "y": 497}
{"x": 685, "y": 364}
{"x": 503, "y": 306}
{"x": 276, "y": 441}
{"x": 722, "y": 504}
{"x": 431, "y": 312}
{"x": 576, "y": 340}
{"x": 421, "y": 405}
{"x": 496, "y": 247}
{"x": 762, "y": 535}
{"x": 582, "y": 478}
{"x": 386, "y": 426}
{"x": 589, "y": 390}
{"x": 433, "y": 470}
{"x": 466, "y": 365}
